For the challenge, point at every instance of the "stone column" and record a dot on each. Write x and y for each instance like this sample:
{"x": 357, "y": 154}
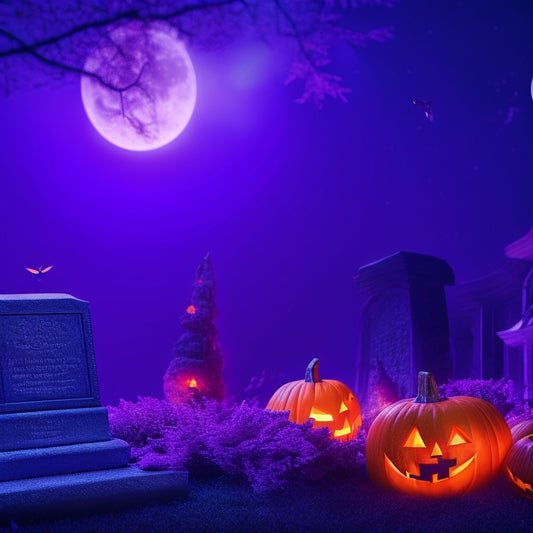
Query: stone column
{"x": 404, "y": 326}
{"x": 521, "y": 334}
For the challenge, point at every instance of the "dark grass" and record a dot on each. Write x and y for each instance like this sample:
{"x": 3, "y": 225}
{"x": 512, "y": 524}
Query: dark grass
{"x": 349, "y": 505}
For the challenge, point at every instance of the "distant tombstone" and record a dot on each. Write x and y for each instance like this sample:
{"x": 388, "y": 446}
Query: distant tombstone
{"x": 404, "y": 326}
{"x": 52, "y": 425}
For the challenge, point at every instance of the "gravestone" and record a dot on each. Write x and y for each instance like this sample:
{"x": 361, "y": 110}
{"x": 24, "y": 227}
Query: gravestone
{"x": 404, "y": 326}
{"x": 55, "y": 446}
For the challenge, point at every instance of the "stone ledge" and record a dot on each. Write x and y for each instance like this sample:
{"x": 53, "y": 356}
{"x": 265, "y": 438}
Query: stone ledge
{"x": 53, "y": 460}
{"x": 35, "y": 429}
{"x": 87, "y": 492}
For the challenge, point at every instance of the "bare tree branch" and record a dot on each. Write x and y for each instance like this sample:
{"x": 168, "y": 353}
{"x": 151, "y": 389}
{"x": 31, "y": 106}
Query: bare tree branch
{"x": 60, "y": 35}
{"x": 126, "y": 16}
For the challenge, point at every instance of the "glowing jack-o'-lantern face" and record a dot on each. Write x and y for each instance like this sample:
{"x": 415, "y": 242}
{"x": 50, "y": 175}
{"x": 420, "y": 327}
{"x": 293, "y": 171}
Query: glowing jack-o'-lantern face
{"x": 436, "y": 447}
{"x": 328, "y": 402}
{"x": 339, "y": 412}
{"x": 519, "y": 461}
{"x": 435, "y": 461}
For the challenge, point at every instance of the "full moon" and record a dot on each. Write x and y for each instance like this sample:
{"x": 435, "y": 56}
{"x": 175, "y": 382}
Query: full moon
{"x": 143, "y": 90}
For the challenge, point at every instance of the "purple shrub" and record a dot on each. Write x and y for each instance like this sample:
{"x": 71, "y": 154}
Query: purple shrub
{"x": 500, "y": 393}
{"x": 338, "y": 460}
{"x": 258, "y": 445}
{"x": 242, "y": 441}
{"x": 137, "y": 422}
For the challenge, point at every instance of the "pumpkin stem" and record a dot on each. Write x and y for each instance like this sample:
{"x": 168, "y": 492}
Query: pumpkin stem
{"x": 311, "y": 372}
{"x": 428, "y": 391}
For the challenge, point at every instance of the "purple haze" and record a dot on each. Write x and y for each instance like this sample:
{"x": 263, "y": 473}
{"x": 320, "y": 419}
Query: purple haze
{"x": 289, "y": 200}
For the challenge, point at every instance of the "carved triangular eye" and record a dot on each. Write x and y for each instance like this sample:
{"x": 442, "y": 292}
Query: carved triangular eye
{"x": 343, "y": 408}
{"x": 319, "y": 415}
{"x": 414, "y": 440}
{"x": 458, "y": 437}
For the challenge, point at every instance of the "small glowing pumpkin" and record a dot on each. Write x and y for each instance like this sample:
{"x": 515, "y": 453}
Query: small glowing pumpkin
{"x": 192, "y": 383}
{"x": 436, "y": 447}
{"x": 518, "y": 465}
{"x": 328, "y": 402}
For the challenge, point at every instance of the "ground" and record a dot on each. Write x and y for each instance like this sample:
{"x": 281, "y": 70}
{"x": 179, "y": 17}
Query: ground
{"x": 224, "y": 505}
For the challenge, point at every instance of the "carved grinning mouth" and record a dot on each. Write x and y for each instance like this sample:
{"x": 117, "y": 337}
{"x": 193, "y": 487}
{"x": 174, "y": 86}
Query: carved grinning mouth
{"x": 519, "y": 483}
{"x": 433, "y": 472}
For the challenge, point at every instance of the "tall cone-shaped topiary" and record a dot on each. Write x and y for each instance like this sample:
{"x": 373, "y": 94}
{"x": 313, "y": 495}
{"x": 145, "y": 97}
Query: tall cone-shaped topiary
{"x": 196, "y": 370}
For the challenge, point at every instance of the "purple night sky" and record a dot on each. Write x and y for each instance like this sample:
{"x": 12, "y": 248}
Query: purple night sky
{"x": 289, "y": 200}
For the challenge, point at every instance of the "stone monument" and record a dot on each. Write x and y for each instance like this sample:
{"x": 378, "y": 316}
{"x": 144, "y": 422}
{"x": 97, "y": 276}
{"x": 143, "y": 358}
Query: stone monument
{"x": 404, "y": 326}
{"x": 56, "y": 452}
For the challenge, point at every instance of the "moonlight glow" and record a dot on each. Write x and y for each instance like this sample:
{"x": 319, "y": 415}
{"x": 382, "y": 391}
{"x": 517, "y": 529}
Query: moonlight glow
{"x": 146, "y": 91}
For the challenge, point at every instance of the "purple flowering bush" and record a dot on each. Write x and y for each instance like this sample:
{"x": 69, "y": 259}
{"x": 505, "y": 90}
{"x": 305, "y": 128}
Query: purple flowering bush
{"x": 243, "y": 441}
{"x": 136, "y": 423}
{"x": 261, "y": 446}
{"x": 500, "y": 393}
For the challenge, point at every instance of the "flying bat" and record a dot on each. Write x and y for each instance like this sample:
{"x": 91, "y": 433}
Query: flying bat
{"x": 39, "y": 271}
{"x": 427, "y": 108}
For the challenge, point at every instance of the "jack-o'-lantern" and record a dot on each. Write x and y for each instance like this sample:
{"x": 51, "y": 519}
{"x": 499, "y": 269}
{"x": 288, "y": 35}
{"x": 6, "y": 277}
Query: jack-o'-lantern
{"x": 328, "y": 402}
{"x": 518, "y": 465}
{"x": 436, "y": 447}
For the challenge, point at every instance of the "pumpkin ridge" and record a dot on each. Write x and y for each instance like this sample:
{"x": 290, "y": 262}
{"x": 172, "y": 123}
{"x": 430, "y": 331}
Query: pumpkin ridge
{"x": 522, "y": 429}
{"x": 294, "y": 401}
{"x": 328, "y": 387}
{"x": 305, "y": 401}
{"x": 280, "y": 398}
{"x": 495, "y": 426}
